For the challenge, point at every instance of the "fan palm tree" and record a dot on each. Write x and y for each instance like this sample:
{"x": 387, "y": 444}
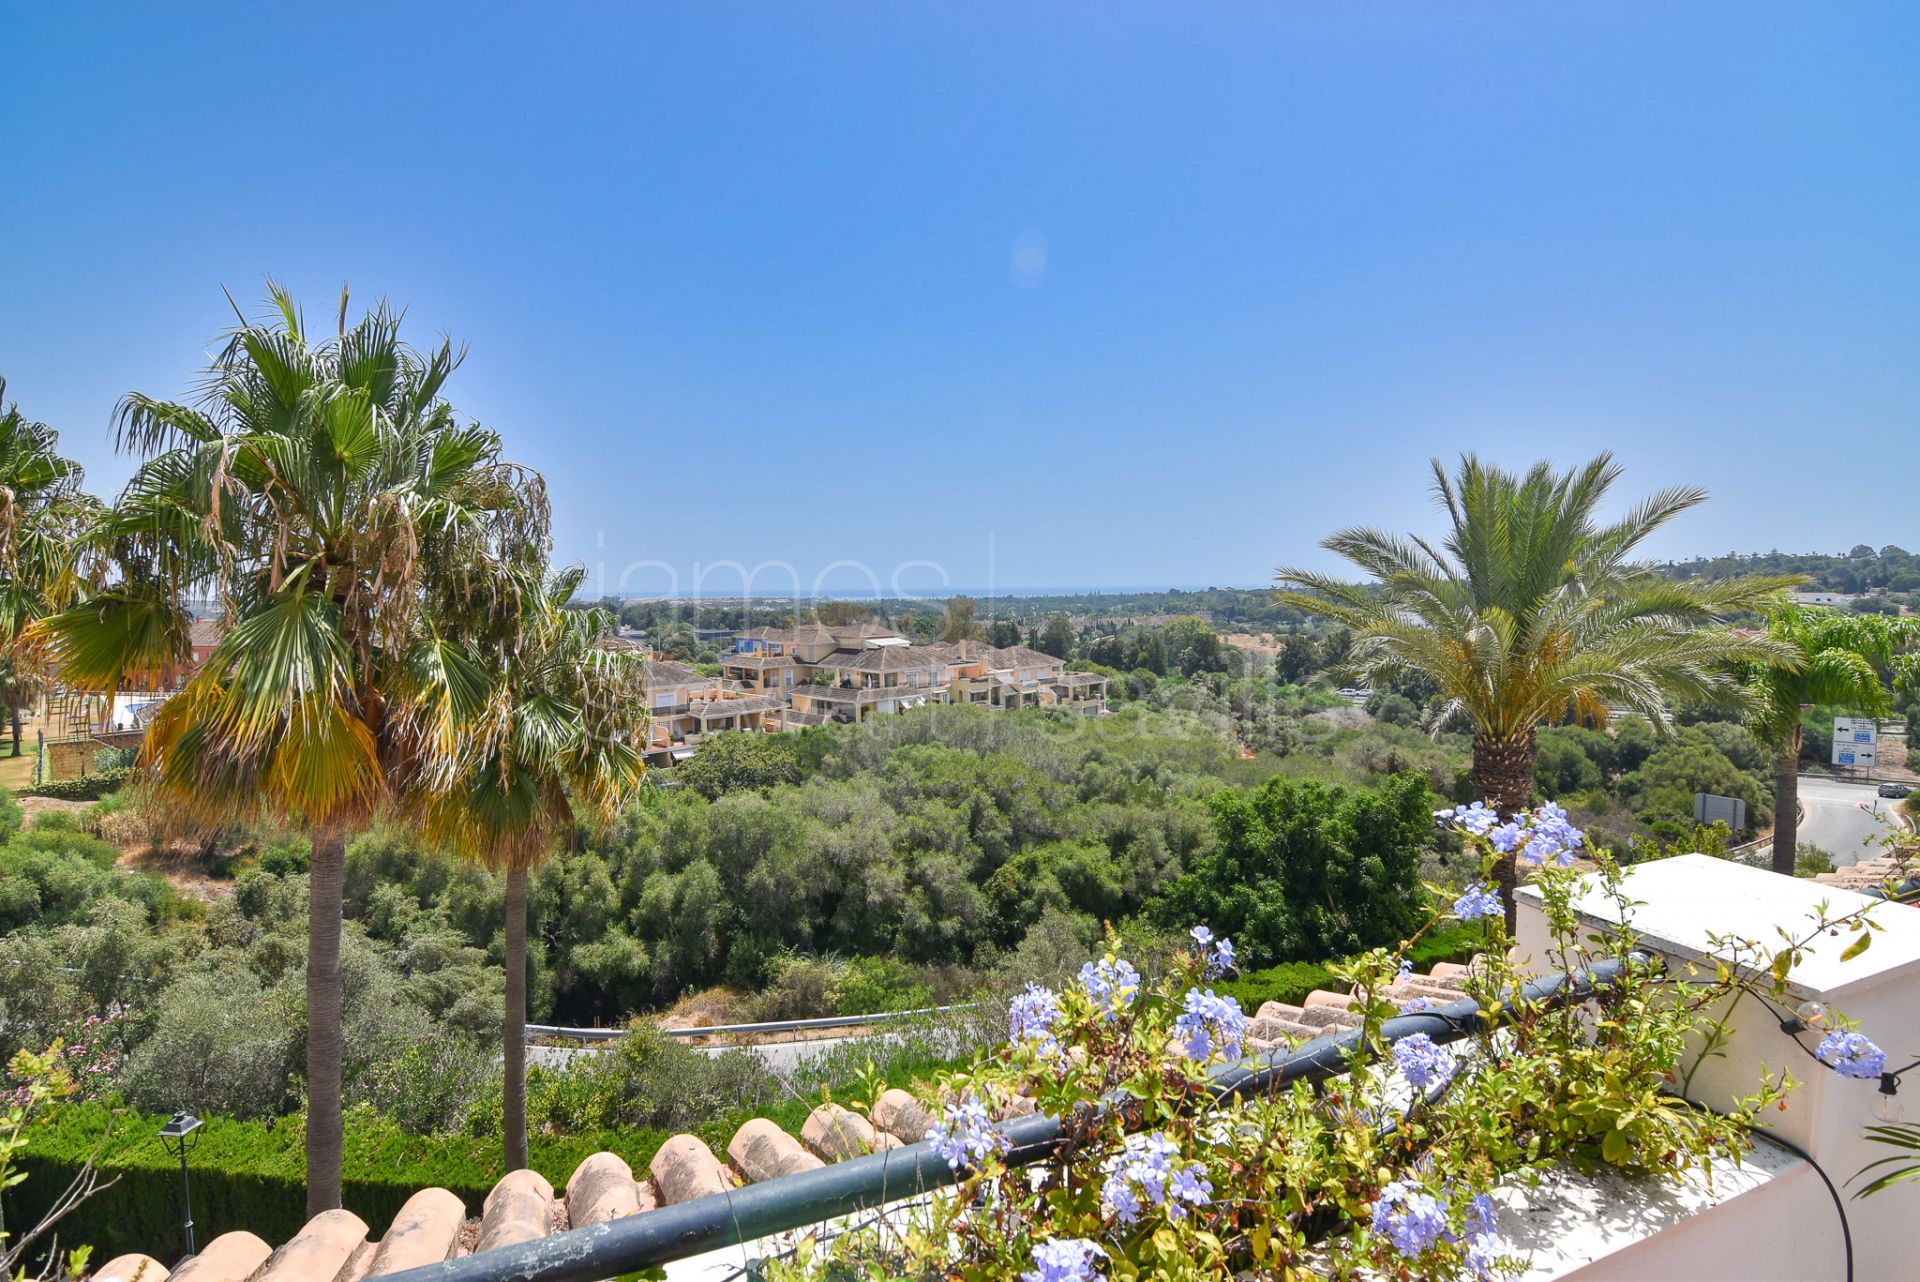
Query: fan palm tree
{"x": 1837, "y": 658}
{"x": 43, "y": 513}
{"x": 324, "y": 494}
{"x": 1530, "y": 610}
{"x": 553, "y": 734}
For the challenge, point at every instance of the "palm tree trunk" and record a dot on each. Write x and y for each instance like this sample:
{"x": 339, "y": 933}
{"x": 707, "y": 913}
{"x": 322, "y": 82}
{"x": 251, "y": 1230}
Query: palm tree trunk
{"x": 324, "y": 1045}
{"x": 513, "y": 1122}
{"x": 1786, "y": 807}
{"x": 13, "y": 712}
{"x": 1503, "y": 778}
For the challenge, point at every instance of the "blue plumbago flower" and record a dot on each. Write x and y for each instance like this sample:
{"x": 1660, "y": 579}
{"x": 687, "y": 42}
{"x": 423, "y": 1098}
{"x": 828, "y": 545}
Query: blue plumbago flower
{"x": 1477, "y": 902}
{"x": 1112, "y": 984}
{"x": 1207, "y": 1021}
{"x": 964, "y": 1135}
{"x": 1188, "y": 1188}
{"x": 1480, "y": 1217}
{"x": 1549, "y": 835}
{"x": 1415, "y": 1005}
{"x": 1064, "y": 1260}
{"x": 1144, "y": 1174}
{"x": 1851, "y": 1055}
{"x": 1423, "y": 1062}
{"x": 1506, "y": 838}
{"x": 1409, "y": 1217}
{"x": 1478, "y": 819}
{"x": 1406, "y": 970}
{"x": 1217, "y": 952}
{"x": 1415, "y": 1220}
{"x": 1033, "y": 1014}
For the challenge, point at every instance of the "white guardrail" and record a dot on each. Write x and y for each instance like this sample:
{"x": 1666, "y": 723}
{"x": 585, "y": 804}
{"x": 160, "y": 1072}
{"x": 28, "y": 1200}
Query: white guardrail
{"x": 721, "y": 1030}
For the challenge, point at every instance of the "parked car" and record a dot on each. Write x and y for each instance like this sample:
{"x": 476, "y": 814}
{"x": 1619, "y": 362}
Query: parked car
{"x": 1894, "y": 790}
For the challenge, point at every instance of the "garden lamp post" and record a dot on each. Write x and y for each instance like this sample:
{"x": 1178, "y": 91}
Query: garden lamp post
{"x": 178, "y": 1137}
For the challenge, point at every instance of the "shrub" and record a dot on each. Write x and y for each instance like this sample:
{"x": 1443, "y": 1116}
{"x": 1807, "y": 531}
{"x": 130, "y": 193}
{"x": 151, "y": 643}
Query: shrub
{"x": 647, "y": 1081}
{"x": 1810, "y": 860}
{"x": 88, "y": 788}
{"x": 286, "y": 856}
{"x": 433, "y": 1086}
{"x": 113, "y": 759}
{"x": 1289, "y": 982}
{"x": 118, "y": 818}
{"x": 802, "y": 988}
{"x": 738, "y": 760}
{"x": 873, "y": 984}
{"x": 220, "y": 1044}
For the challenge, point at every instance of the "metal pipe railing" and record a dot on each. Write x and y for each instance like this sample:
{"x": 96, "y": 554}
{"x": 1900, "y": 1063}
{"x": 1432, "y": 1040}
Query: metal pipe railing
{"x": 669, "y": 1233}
{"x": 770, "y": 1026}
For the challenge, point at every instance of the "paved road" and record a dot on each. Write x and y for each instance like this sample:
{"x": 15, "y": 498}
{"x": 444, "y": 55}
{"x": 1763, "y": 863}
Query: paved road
{"x": 1835, "y": 823}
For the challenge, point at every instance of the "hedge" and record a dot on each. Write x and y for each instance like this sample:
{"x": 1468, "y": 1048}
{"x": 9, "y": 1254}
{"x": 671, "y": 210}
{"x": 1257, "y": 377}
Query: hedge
{"x": 246, "y": 1176}
{"x": 1290, "y": 982}
{"x": 86, "y": 788}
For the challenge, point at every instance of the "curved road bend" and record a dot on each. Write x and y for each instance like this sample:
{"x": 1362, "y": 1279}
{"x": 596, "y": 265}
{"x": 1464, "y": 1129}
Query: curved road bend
{"x": 1835, "y": 822}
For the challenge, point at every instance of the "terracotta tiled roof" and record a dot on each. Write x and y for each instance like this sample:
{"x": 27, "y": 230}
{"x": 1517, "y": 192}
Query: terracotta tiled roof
{"x": 888, "y": 658}
{"x": 757, "y": 662}
{"x": 714, "y": 709}
{"x": 1019, "y": 656}
{"x": 1871, "y": 873}
{"x": 665, "y": 674}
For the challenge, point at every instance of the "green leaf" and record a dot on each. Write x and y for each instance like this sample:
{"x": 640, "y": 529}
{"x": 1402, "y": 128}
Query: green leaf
{"x": 1858, "y": 946}
{"x": 1782, "y": 964}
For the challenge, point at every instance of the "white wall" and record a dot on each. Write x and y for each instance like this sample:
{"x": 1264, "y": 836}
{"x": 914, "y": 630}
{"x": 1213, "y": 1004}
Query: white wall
{"x": 1685, "y": 900}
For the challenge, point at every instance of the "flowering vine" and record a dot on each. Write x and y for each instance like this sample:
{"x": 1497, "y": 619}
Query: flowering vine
{"x": 1388, "y": 1167}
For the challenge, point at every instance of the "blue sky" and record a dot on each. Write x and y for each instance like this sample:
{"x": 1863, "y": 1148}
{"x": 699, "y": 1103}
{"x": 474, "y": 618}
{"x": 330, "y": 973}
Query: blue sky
{"x": 1063, "y": 295}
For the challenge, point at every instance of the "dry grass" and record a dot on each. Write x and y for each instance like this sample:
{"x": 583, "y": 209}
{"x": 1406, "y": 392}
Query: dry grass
{"x": 16, "y": 772}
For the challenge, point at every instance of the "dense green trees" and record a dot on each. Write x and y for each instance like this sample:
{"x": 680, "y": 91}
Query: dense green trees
{"x": 936, "y": 839}
{"x": 1308, "y": 870}
{"x": 1862, "y": 569}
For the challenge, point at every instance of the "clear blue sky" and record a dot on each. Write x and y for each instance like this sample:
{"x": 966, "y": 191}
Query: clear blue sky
{"x": 1116, "y": 294}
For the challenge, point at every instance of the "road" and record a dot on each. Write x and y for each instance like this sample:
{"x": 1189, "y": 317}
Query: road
{"x": 1835, "y": 823}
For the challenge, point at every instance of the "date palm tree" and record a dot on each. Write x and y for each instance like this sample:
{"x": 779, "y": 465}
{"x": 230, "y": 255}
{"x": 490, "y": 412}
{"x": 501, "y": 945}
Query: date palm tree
{"x": 1531, "y": 610}
{"x": 1837, "y": 658}
{"x": 324, "y": 494}
{"x": 552, "y": 735}
{"x": 43, "y": 514}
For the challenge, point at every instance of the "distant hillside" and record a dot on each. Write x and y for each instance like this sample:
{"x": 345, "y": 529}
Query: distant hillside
{"x": 1892, "y": 568}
